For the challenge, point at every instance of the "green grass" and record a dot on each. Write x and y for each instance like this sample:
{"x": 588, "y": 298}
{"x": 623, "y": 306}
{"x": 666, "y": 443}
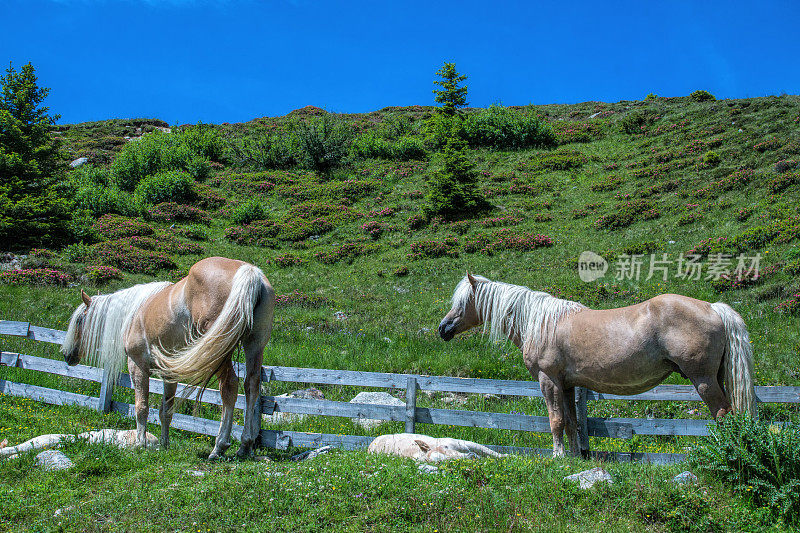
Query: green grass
{"x": 391, "y": 324}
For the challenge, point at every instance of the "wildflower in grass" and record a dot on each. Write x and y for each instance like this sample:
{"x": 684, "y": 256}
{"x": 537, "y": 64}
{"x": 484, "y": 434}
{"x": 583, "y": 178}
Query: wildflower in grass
{"x": 35, "y": 276}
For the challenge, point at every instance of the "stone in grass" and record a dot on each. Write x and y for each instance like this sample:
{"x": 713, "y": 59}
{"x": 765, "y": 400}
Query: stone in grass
{"x": 305, "y": 456}
{"x": 374, "y": 398}
{"x": 79, "y": 162}
{"x": 53, "y": 460}
{"x": 685, "y": 478}
{"x": 588, "y": 478}
{"x": 428, "y": 469}
{"x": 280, "y": 417}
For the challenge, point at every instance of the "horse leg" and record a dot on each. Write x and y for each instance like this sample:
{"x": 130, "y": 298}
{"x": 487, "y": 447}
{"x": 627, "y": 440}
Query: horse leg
{"x": 711, "y": 392}
{"x": 254, "y": 356}
{"x": 228, "y": 388}
{"x": 165, "y": 412}
{"x": 554, "y": 398}
{"x": 140, "y": 378}
{"x": 572, "y": 422}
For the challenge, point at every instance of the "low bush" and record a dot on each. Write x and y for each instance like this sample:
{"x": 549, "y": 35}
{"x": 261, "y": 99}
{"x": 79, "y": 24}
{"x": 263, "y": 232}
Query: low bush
{"x": 194, "y": 232}
{"x": 321, "y": 142}
{"x": 503, "y": 128}
{"x": 301, "y": 299}
{"x": 168, "y": 186}
{"x": 608, "y": 183}
{"x": 115, "y": 227}
{"x": 430, "y": 248}
{"x": 505, "y": 239}
{"x": 248, "y": 212}
{"x": 287, "y": 260}
{"x": 626, "y": 213}
{"x": 345, "y": 252}
{"x": 174, "y": 212}
{"x": 702, "y": 96}
{"x": 785, "y": 165}
{"x": 759, "y": 459}
{"x": 783, "y": 182}
{"x": 101, "y": 275}
{"x": 260, "y": 233}
{"x": 153, "y": 153}
{"x": 790, "y": 306}
{"x": 35, "y": 276}
{"x": 636, "y": 121}
{"x": 123, "y": 255}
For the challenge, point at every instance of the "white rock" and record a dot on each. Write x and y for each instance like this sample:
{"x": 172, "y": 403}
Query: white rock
{"x": 374, "y": 398}
{"x": 78, "y": 162}
{"x": 63, "y": 510}
{"x": 596, "y": 114}
{"x": 196, "y": 473}
{"x": 588, "y": 478}
{"x": 340, "y": 315}
{"x": 428, "y": 469}
{"x": 685, "y": 478}
{"x": 53, "y": 460}
{"x": 280, "y": 417}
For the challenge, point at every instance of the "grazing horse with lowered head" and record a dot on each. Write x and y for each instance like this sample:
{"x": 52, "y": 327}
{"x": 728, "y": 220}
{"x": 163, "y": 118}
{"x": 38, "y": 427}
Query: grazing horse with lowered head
{"x": 185, "y": 331}
{"x": 628, "y": 350}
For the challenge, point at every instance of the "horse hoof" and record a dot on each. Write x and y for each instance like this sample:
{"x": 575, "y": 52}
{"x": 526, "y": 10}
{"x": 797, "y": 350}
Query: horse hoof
{"x": 214, "y": 456}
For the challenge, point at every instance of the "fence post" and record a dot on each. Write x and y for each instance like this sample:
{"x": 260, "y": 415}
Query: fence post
{"x": 581, "y": 410}
{"x": 106, "y": 391}
{"x": 411, "y": 404}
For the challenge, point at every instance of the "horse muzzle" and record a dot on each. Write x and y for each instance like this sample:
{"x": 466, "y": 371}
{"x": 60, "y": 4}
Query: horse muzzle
{"x": 446, "y": 330}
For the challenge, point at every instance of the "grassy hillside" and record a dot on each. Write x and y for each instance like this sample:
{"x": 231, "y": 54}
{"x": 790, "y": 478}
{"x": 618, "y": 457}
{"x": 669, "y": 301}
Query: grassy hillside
{"x": 363, "y": 280}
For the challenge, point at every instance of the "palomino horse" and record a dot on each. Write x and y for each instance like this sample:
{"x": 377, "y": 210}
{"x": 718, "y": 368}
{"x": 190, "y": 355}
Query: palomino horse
{"x": 186, "y": 331}
{"x": 616, "y": 351}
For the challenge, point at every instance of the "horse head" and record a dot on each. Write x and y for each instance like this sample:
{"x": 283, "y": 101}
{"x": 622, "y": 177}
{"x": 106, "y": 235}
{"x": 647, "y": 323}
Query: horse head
{"x": 71, "y": 348}
{"x": 464, "y": 314}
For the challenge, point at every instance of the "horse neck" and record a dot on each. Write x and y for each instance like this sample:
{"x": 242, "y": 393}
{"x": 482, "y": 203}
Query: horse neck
{"x": 519, "y": 314}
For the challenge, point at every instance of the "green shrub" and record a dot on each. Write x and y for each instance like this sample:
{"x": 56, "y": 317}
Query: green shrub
{"x": 370, "y": 145}
{"x": 78, "y": 253}
{"x": 168, "y": 186}
{"x": 203, "y": 140}
{"x": 248, "y": 212}
{"x": 711, "y": 159}
{"x": 636, "y": 121}
{"x": 198, "y": 168}
{"x": 100, "y": 275}
{"x": 452, "y": 190}
{"x": 702, "y": 96}
{"x": 507, "y": 129}
{"x": 263, "y": 151}
{"x": 154, "y": 152}
{"x": 758, "y": 459}
{"x": 321, "y": 143}
{"x": 408, "y": 148}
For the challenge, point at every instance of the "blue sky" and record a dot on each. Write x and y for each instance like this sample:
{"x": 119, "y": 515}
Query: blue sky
{"x": 216, "y": 61}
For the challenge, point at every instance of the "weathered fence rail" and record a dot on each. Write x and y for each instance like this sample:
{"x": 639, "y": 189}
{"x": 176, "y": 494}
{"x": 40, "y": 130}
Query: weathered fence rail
{"x": 410, "y": 414}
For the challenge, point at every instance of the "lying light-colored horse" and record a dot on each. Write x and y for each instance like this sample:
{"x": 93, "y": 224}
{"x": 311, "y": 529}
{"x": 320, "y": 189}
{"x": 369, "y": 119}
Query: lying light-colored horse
{"x": 627, "y": 350}
{"x": 430, "y": 449}
{"x": 187, "y": 332}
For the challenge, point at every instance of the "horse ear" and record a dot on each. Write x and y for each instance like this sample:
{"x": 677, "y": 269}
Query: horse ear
{"x": 86, "y": 298}
{"x": 422, "y": 446}
{"x": 472, "y": 280}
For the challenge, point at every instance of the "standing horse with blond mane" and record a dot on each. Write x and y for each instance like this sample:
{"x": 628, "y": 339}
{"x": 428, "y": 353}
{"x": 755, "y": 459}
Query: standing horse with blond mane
{"x": 628, "y": 350}
{"x": 185, "y": 331}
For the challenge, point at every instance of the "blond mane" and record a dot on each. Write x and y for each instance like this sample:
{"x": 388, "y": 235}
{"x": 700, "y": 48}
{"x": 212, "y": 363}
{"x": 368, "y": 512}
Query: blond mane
{"x": 514, "y": 308}
{"x": 104, "y": 326}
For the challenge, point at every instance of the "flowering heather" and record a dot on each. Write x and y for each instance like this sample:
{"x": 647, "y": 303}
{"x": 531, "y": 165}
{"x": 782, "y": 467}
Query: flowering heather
{"x": 123, "y": 255}
{"x": 770, "y": 144}
{"x": 507, "y": 220}
{"x": 743, "y": 214}
{"x": 784, "y": 181}
{"x": 287, "y": 260}
{"x": 790, "y": 306}
{"x": 374, "y": 229}
{"x": 260, "y": 233}
{"x": 35, "y": 276}
{"x": 542, "y": 217}
{"x": 42, "y": 253}
{"x": 577, "y": 132}
{"x": 385, "y": 212}
{"x": 115, "y": 226}
{"x": 743, "y": 280}
{"x": 301, "y": 299}
{"x": 665, "y": 128}
{"x": 689, "y": 218}
{"x": 579, "y": 213}
{"x": 734, "y": 181}
{"x": 301, "y": 229}
{"x": 345, "y": 252}
{"x": 505, "y": 239}
{"x": 707, "y": 246}
{"x": 415, "y": 221}
{"x": 209, "y": 199}
{"x": 100, "y": 275}
{"x": 174, "y": 212}
{"x": 410, "y": 195}
{"x": 430, "y": 248}
{"x": 608, "y": 183}
{"x": 784, "y": 165}
{"x": 179, "y": 247}
{"x": 341, "y": 192}
{"x": 626, "y": 213}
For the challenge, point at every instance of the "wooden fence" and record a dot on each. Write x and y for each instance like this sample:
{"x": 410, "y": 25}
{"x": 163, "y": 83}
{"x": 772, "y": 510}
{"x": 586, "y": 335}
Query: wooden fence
{"x": 410, "y": 414}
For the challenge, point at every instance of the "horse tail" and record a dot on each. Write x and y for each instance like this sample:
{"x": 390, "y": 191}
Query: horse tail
{"x": 737, "y": 361}
{"x": 205, "y": 354}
